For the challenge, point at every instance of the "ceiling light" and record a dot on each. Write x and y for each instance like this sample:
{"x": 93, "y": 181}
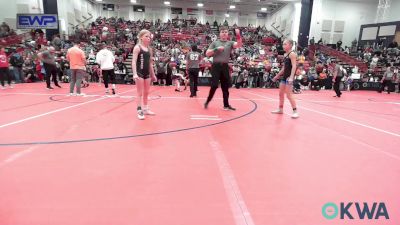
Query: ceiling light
{"x": 232, "y": 6}
{"x": 227, "y": 15}
{"x": 264, "y": 9}
{"x": 133, "y": 1}
{"x": 167, "y": 3}
{"x": 99, "y": 0}
{"x": 200, "y": 4}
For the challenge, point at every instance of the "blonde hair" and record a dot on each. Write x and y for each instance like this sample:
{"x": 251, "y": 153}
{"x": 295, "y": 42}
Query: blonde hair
{"x": 290, "y": 41}
{"x": 141, "y": 34}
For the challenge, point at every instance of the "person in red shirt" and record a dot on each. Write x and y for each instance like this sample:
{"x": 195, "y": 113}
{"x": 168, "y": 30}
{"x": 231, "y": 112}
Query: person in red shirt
{"x": 4, "y": 71}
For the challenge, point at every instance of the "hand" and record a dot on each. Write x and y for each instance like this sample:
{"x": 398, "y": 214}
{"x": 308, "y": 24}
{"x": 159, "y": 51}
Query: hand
{"x": 290, "y": 80}
{"x": 154, "y": 78}
{"x": 220, "y": 48}
{"x": 237, "y": 32}
{"x": 135, "y": 77}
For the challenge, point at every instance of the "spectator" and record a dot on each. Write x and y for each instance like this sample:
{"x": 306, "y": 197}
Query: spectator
{"x": 4, "y": 69}
{"x": 49, "y": 63}
{"x": 17, "y": 62}
{"x": 105, "y": 58}
{"x": 77, "y": 60}
{"x": 387, "y": 80}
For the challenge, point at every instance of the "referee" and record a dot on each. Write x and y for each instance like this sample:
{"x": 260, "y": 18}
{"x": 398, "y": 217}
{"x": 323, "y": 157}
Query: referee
{"x": 220, "y": 50}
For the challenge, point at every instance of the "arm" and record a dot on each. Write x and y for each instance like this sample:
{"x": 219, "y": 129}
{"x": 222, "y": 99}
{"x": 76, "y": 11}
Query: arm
{"x": 112, "y": 57}
{"x": 83, "y": 57}
{"x": 135, "y": 54}
{"x": 239, "y": 42}
{"x": 67, "y": 57}
{"x": 279, "y": 74}
{"x": 213, "y": 49}
{"x": 98, "y": 58}
{"x": 151, "y": 64}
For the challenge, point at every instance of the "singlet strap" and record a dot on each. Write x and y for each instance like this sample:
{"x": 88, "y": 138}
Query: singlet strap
{"x": 287, "y": 56}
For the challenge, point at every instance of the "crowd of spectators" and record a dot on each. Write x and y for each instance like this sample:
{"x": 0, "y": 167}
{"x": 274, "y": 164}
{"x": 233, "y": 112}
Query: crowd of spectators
{"x": 253, "y": 66}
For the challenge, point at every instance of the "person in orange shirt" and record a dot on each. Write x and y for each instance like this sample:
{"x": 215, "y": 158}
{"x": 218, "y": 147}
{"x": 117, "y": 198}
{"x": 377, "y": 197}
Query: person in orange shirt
{"x": 77, "y": 60}
{"x": 4, "y": 68}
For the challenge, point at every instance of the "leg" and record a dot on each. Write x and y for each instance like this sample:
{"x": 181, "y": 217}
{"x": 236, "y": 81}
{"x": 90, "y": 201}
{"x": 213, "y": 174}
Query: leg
{"x": 191, "y": 78}
{"x": 2, "y": 75}
{"x": 282, "y": 90}
{"x": 382, "y": 87}
{"x": 79, "y": 77}
{"x": 47, "y": 75}
{"x": 225, "y": 85}
{"x": 177, "y": 84}
{"x": 72, "y": 81}
{"x": 113, "y": 82}
{"x": 139, "y": 86}
{"x": 289, "y": 95}
{"x": 215, "y": 73}
{"x": 336, "y": 86}
{"x": 54, "y": 75}
{"x": 22, "y": 75}
{"x": 147, "y": 84}
{"x": 105, "y": 78}
{"x": 196, "y": 81}
{"x": 8, "y": 74}
{"x": 17, "y": 76}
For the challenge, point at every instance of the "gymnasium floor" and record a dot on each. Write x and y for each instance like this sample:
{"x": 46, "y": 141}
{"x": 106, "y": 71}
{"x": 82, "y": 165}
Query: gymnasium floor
{"x": 89, "y": 160}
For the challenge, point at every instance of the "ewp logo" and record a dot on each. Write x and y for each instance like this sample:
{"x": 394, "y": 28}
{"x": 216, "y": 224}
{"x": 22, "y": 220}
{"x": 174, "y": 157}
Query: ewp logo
{"x": 33, "y": 21}
{"x": 330, "y": 211}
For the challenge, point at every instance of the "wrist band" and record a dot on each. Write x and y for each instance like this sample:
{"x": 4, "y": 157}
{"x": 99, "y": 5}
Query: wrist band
{"x": 215, "y": 49}
{"x": 238, "y": 37}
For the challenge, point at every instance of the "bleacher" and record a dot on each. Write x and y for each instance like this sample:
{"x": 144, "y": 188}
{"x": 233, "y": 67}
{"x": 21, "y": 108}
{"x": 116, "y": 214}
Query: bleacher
{"x": 15, "y": 39}
{"x": 343, "y": 57}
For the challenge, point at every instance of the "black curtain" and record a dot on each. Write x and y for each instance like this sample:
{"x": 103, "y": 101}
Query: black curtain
{"x": 50, "y": 7}
{"x": 305, "y": 22}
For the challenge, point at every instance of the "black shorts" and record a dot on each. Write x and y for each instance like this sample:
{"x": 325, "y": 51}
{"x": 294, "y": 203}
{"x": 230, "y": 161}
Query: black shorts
{"x": 161, "y": 76}
{"x": 147, "y": 76}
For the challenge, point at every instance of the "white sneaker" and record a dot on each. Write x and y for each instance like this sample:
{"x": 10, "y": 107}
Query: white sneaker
{"x": 71, "y": 94}
{"x": 140, "y": 115}
{"x": 278, "y": 111}
{"x": 295, "y": 115}
{"x": 11, "y": 86}
{"x": 81, "y": 94}
{"x": 149, "y": 112}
